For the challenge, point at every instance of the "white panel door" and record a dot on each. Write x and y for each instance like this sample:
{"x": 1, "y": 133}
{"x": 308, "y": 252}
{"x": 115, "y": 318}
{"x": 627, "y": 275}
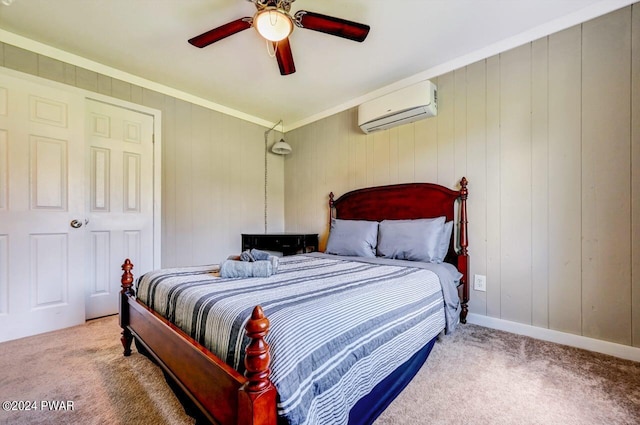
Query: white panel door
{"x": 41, "y": 255}
{"x": 119, "y": 200}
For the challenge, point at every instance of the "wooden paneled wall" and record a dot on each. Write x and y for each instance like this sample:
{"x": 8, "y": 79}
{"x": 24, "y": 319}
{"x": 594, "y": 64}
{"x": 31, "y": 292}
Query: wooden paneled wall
{"x": 548, "y": 135}
{"x": 212, "y": 165}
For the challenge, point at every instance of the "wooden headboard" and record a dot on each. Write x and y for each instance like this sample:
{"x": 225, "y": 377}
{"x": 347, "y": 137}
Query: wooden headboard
{"x": 413, "y": 201}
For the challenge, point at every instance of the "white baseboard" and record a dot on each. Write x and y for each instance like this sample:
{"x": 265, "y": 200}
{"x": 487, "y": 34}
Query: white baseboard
{"x": 578, "y": 341}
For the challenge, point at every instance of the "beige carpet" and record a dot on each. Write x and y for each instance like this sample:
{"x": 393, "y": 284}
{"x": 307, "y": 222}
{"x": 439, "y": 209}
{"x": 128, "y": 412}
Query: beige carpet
{"x": 84, "y": 364}
{"x": 482, "y": 376}
{"x": 476, "y": 376}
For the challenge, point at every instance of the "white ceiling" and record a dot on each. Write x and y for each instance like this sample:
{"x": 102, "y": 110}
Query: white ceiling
{"x": 409, "y": 40}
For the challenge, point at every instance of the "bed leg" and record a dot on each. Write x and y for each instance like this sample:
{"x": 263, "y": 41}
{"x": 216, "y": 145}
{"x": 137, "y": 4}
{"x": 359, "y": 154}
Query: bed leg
{"x": 126, "y": 339}
{"x": 463, "y": 313}
{"x": 127, "y": 290}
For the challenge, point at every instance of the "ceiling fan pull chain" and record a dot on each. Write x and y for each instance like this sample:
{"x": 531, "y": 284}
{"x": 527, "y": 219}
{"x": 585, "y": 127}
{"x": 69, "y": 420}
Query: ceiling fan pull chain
{"x": 275, "y": 48}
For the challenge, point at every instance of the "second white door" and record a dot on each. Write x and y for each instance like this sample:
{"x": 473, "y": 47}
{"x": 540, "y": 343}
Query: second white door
{"x": 119, "y": 200}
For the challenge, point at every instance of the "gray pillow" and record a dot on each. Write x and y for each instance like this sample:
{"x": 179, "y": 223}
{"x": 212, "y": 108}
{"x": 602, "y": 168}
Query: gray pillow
{"x": 353, "y": 238}
{"x": 445, "y": 239}
{"x": 416, "y": 240}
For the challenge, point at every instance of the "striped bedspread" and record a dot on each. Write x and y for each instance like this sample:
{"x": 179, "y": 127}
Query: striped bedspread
{"x": 338, "y": 327}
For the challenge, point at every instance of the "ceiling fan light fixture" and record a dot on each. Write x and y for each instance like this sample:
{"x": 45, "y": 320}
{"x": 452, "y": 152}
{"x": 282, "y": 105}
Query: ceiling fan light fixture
{"x": 273, "y": 24}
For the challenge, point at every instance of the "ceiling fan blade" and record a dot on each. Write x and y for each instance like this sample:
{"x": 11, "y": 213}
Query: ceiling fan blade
{"x": 223, "y": 31}
{"x": 284, "y": 57}
{"x": 331, "y": 25}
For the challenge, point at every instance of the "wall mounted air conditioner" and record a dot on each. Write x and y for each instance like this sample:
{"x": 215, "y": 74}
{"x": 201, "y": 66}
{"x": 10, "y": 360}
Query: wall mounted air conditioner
{"x": 400, "y": 107}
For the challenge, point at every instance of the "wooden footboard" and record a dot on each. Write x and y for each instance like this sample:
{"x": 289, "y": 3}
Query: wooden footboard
{"x": 220, "y": 392}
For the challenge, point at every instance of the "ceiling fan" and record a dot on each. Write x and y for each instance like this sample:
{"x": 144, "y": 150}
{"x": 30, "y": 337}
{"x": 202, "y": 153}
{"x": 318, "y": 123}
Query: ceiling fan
{"x": 273, "y": 21}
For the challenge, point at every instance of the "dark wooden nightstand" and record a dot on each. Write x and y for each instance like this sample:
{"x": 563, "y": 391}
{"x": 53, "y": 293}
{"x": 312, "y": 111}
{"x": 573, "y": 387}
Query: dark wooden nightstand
{"x": 287, "y": 243}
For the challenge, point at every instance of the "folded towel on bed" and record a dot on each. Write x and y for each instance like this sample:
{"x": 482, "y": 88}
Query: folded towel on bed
{"x": 260, "y": 255}
{"x": 246, "y": 256}
{"x": 231, "y": 268}
{"x": 274, "y": 263}
{"x": 254, "y": 255}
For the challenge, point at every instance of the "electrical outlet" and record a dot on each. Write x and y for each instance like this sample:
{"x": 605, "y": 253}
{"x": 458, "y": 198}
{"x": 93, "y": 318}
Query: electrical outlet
{"x": 480, "y": 282}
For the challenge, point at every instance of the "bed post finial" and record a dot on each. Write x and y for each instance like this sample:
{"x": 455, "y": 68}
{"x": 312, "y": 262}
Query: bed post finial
{"x": 127, "y": 291}
{"x": 257, "y": 357}
{"x": 257, "y": 397}
{"x": 463, "y": 258}
{"x": 127, "y": 278}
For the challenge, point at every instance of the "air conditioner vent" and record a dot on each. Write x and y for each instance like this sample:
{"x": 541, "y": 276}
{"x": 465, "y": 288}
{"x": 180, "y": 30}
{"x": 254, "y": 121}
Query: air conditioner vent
{"x": 400, "y": 107}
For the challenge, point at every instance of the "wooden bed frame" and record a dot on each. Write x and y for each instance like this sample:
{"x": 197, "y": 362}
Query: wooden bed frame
{"x": 225, "y": 396}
